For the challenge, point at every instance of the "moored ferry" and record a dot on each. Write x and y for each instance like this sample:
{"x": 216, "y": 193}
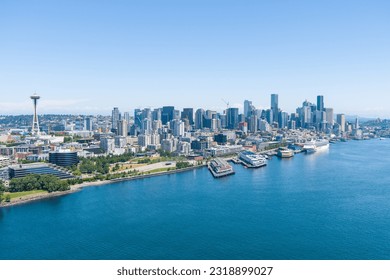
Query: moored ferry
{"x": 285, "y": 153}
{"x": 252, "y": 160}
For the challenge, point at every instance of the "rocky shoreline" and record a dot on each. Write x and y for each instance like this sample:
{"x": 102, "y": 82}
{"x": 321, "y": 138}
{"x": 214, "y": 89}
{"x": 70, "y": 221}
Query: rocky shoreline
{"x": 78, "y": 187}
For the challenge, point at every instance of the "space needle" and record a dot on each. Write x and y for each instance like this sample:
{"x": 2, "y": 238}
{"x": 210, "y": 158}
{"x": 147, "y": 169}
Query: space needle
{"x": 35, "y": 125}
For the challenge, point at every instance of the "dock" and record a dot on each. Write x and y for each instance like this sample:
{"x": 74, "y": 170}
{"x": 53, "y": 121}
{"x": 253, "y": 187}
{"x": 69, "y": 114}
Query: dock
{"x": 220, "y": 168}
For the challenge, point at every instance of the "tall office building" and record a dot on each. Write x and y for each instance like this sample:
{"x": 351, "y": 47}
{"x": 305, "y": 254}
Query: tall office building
{"x": 79, "y": 123}
{"x": 253, "y": 123}
{"x": 122, "y": 128}
{"x": 199, "y": 116}
{"x": 320, "y": 103}
{"x": 147, "y": 126}
{"x": 126, "y": 117}
{"x": 269, "y": 116}
{"x": 341, "y": 122}
{"x": 283, "y": 120}
{"x": 138, "y": 118}
{"x": 115, "y": 117}
{"x": 232, "y": 118}
{"x": 247, "y": 108}
{"x": 147, "y": 114}
{"x": 275, "y": 107}
{"x": 329, "y": 116}
{"x": 156, "y": 114}
{"x": 176, "y": 114}
{"x": 177, "y": 128}
{"x": 167, "y": 114}
{"x": 88, "y": 124}
{"x": 188, "y": 113}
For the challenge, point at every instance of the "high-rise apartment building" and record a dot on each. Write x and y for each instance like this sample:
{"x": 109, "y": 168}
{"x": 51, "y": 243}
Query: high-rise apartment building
{"x": 275, "y": 107}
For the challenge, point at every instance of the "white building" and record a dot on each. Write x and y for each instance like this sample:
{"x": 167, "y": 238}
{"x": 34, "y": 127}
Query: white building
{"x": 107, "y": 144}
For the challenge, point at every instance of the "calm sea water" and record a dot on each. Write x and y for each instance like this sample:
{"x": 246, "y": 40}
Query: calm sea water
{"x": 329, "y": 205}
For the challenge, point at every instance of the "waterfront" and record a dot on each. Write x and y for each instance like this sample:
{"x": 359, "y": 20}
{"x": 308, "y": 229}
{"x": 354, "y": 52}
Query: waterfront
{"x": 328, "y": 205}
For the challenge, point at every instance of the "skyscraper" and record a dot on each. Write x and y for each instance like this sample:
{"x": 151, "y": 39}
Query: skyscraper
{"x": 138, "y": 118}
{"x": 35, "y": 124}
{"x": 156, "y": 114}
{"x": 275, "y": 107}
{"x": 283, "y": 120}
{"x": 167, "y": 114}
{"x": 199, "y": 115}
{"x": 188, "y": 113}
{"x": 115, "y": 117}
{"x": 126, "y": 117}
{"x": 122, "y": 128}
{"x": 247, "y": 108}
{"x": 232, "y": 118}
{"x": 320, "y": 103}
{"x": 341, "y": 122}
{"x": 88, "y": 123}
{"x": 329, "y": 116}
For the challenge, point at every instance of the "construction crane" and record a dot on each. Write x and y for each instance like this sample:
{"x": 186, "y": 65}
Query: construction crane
{"x": 227, "y": 103}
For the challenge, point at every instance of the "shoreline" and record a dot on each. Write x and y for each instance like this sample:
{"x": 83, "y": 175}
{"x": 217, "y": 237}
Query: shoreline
{"x": 79, "y": 187}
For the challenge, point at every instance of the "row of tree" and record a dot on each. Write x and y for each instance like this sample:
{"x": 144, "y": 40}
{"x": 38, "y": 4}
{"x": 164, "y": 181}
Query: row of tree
{"x": 31, "y": 182}
{"x": 182, "y": 164}
{"x": 2, "y": 189}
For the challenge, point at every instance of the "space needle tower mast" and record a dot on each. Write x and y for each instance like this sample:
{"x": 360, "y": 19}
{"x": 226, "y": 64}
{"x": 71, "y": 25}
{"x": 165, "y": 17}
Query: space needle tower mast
{"x": 35, "y": 125}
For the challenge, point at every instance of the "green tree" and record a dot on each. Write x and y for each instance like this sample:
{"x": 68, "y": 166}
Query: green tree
{"x": 2, "y": 189}
{"x": 182, "y": 164}
{"x": 38, "y": 182}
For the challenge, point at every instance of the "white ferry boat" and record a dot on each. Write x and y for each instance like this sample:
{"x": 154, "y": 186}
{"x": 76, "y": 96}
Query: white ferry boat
{"x": 315, "y": 146}
{"x": 252, "y": 160}
{"x": 285, "y": 153}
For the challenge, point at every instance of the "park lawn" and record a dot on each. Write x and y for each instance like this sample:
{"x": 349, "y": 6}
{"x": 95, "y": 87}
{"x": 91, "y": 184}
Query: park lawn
{"x": 15, "y": 195}
{"x": 164, "y": 169}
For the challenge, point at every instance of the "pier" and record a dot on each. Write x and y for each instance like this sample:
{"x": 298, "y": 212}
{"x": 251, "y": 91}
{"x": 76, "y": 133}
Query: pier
{"x": 220, "y": 168}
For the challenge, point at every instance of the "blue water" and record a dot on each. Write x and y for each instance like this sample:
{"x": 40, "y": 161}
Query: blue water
{"x": 329, "y": 205}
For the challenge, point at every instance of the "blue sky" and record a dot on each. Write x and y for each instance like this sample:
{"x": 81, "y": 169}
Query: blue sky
{"x": 89, "y": 56}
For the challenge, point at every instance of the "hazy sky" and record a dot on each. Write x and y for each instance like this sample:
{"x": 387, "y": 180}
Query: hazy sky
{"x": 89, "y": 56}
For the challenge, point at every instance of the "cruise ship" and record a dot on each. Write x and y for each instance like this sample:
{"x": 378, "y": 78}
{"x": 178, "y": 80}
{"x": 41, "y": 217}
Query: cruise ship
{"x": 285, "y": 153}
{"x": 252, "y": 160}
{"x": 315, "y": 146}
{"x": 220, "y": 168}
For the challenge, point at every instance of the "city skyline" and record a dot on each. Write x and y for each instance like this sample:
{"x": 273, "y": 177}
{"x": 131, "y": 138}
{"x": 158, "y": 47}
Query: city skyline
{"x": 46, "y": 108}
{"x": 152, "y": 54}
